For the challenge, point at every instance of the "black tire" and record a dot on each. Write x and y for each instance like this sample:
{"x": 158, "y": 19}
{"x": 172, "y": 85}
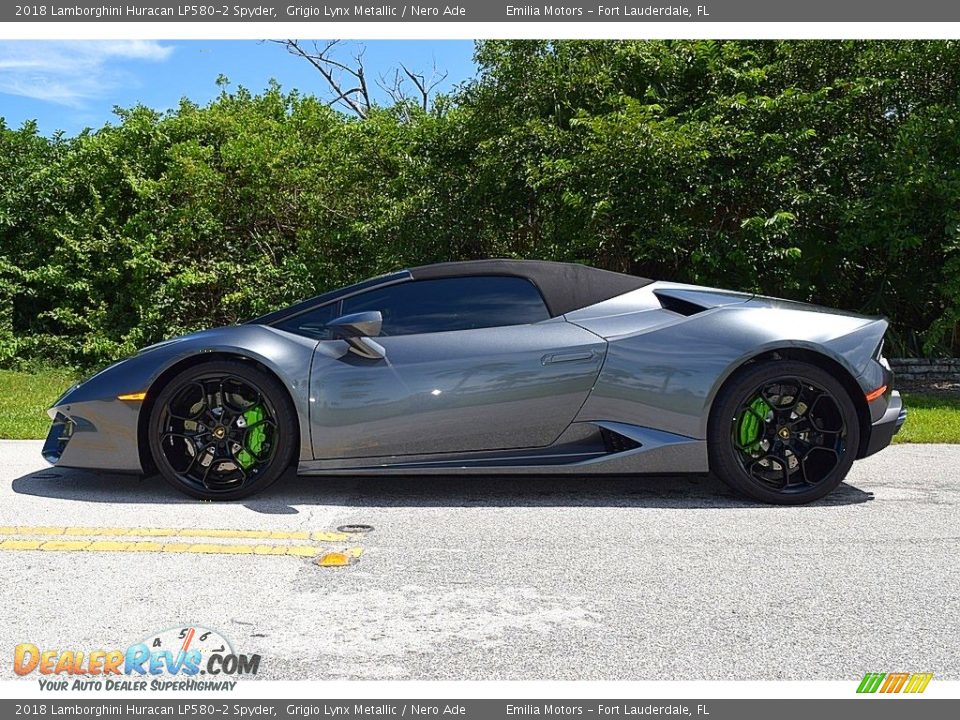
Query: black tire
{"x": 237, "y": 419}
{"x": 783, "y": 432}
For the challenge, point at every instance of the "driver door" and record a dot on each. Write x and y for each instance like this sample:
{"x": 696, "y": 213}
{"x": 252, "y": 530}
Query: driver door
{"x": 469, "y": 364}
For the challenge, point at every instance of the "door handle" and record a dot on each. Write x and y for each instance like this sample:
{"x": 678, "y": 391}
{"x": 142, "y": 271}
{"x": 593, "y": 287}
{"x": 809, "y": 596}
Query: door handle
{"x": 567, "y": 357}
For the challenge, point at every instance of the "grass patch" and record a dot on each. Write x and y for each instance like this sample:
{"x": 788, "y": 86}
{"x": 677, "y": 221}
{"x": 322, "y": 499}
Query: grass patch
{"x": 930, "y": 419}
{"x": 24, "y": 399}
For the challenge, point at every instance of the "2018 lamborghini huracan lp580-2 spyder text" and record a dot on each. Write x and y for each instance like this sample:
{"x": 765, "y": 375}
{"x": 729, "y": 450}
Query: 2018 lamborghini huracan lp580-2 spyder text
{"x": 498, "y": 366}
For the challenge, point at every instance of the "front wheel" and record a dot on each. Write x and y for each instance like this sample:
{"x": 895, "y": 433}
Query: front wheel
{"x": 222, "y": 430}
{"x": 783, "y": 432}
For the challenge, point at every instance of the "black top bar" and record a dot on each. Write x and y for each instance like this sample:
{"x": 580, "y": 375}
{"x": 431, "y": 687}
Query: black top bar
{"x": 641, "y": 11}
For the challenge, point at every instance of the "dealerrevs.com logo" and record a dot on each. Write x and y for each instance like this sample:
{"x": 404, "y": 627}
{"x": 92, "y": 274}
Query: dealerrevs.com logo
{"x": 179, "y": 658}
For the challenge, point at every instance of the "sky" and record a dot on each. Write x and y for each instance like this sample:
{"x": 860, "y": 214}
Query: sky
{"x": 69, "y": 85}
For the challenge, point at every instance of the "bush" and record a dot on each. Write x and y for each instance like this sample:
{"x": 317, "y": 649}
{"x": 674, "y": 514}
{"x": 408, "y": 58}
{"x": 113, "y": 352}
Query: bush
{"x": 822, "y": 171}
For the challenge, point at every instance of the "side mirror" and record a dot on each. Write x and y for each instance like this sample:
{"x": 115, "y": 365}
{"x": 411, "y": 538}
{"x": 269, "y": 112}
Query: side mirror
{"x": 357, "y": 329}
{"x": 361, "y": 324}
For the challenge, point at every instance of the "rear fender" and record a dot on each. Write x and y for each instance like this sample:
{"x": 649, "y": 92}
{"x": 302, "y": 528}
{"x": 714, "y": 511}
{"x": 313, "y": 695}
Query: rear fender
{"x": 666, "y": 377}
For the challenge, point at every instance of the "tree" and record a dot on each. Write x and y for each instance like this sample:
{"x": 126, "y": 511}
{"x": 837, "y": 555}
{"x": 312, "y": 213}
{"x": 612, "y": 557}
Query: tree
{"x": 821, "y": 171}
{"x": 348, "y": 84}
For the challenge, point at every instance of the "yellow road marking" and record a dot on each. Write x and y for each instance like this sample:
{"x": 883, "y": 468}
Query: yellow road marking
{"x": 268, "y": 550}
{"x": 172, "y": 540}
{"x": 64, "y": 545}
{"x": 319, "y": 536}
{"x": 330, "y": 536}
{"x": 303, "y": 550}
{"x": 33, "y": 531}
{"x": 106, "y": 546}
{"x": 21, "y": 544}
{"x": 114, "y": 546}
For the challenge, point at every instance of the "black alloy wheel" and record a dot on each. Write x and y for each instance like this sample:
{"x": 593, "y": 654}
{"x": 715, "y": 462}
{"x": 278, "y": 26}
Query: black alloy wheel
{"x": 783, "y": 432}
{"x": 222, "y": 430}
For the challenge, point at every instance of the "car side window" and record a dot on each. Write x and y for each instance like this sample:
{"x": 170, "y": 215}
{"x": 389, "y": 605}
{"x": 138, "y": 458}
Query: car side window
{"x": 442, "y": 305}
{"x": 312, "y": 323}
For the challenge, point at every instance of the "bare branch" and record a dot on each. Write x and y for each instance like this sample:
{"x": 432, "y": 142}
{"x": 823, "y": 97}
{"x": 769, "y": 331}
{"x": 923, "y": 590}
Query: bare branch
{"x": 356, "y": 99}
{"x": 354, "y": 93}
{"x": 392, "y": 87}
{"x": 425, "y": 85}
{"x": 419, "y": 83}
{"x": 362, "y": 77}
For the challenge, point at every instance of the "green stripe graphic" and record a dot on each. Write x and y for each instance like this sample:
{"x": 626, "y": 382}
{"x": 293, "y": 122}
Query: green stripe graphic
{"x": 871, "y": 682}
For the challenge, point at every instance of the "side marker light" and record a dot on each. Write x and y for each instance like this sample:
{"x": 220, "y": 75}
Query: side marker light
{"x": 133, "y": 397}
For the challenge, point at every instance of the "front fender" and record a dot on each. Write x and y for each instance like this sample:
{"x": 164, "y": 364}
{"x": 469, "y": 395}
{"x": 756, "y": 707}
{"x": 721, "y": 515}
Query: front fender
{"x": 102, "y": 431}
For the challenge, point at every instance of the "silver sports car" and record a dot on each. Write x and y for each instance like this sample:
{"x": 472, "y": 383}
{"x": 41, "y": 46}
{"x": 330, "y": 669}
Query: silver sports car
{"x": 498, "y": 366}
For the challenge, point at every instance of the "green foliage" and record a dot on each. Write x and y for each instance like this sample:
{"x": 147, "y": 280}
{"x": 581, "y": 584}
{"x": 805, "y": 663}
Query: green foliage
{"x": 24, "y": 399}
{"x": 931, "y": 419}
{"x": 822, "y": 171}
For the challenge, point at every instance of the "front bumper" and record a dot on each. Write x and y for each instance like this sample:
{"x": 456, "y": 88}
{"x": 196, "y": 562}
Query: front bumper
{"x": 60, "y": 433}
{"x": 96, "y": 434}
{"x": 883, "y": 430}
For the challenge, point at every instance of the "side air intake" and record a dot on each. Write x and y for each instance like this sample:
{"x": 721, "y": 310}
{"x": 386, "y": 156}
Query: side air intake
{"x": 678, "y": 305}
{"x": 614, "y": 442}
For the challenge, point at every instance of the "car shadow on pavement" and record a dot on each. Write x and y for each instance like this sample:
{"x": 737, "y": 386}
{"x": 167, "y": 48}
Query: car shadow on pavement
{"x": 677, "y": 492}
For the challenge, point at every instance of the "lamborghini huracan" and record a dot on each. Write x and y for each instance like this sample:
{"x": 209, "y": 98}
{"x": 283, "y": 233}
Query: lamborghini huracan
{"x": 498, "y": 366}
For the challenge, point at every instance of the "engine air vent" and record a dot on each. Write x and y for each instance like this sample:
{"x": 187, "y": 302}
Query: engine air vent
{"x": 615, "y": 442}
{"x": 678, "y": 305}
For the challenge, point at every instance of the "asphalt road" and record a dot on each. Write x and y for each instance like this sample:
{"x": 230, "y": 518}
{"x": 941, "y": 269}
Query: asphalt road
{"x": 529, "y": 578}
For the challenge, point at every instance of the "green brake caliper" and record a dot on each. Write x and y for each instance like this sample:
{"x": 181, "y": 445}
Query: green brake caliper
{"x": 256, "y": 437}
{"x": 750, "y": 426}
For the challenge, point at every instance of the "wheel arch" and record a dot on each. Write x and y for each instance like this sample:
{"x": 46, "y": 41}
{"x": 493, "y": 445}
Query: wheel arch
{"x": 175, "y": 368}
{"x": 817, "y": 359}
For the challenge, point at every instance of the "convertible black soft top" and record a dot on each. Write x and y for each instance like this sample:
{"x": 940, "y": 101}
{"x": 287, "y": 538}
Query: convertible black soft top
{"x": 565, "y": 286}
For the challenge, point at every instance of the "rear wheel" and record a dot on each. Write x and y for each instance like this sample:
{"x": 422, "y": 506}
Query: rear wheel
{"x": 783, "y": 432}
{"x": 222, "y": 430}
